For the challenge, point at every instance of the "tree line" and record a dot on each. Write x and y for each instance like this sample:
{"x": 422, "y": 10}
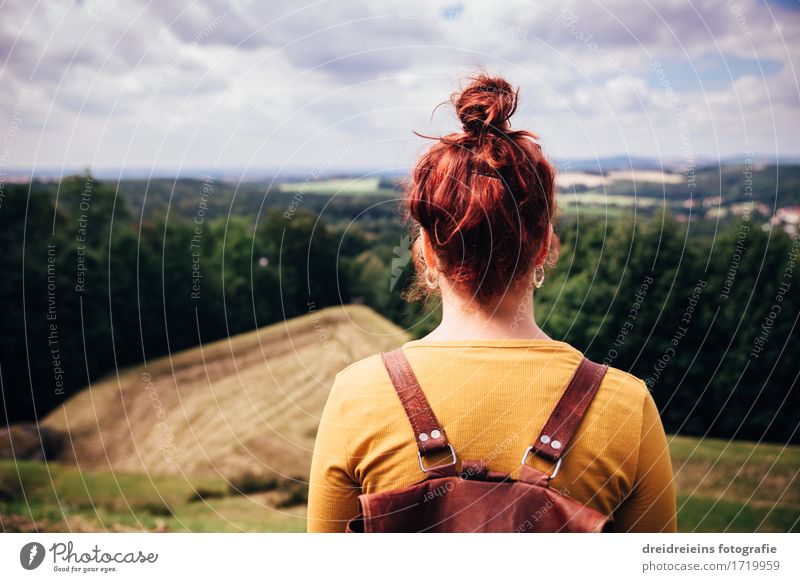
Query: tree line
{"x": 90, "y": 287}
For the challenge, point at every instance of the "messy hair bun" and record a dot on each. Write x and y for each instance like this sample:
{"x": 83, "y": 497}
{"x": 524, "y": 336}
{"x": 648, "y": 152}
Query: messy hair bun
{"x": 486, "y": 104}
{"x": 485, "y": 197}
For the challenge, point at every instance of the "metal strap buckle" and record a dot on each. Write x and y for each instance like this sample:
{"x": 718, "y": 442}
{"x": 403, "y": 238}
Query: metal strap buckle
{"x": 453, "y": 462}
{"x": 552, "y": 476}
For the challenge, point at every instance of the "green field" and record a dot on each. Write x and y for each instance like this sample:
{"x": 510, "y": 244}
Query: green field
{"x": 736, "y": 486}
{"x": 592, "y": 202}
{"x": 733, "y": 487}
{"x": 343, "y": 186}
{"x": 35, "y": 496}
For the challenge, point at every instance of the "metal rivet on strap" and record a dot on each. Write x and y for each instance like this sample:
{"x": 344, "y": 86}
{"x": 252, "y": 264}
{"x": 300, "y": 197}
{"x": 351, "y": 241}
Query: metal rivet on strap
{"x": 435, "y": 434}
{"x": 556, "y": 444}
{"x": 545, "y": 439}
{"x": 423, "y": 436}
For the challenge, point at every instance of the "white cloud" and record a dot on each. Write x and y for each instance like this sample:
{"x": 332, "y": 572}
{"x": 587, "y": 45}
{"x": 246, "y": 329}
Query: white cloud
{"x": 236, "y": 82}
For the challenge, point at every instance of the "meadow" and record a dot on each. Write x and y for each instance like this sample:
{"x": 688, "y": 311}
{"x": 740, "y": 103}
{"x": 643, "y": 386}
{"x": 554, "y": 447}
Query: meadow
{"x": 722, "y": 487}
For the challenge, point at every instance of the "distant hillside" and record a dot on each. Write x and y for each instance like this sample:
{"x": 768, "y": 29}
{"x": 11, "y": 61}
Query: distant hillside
{"x": 248, "y": 404}
{"x": 373, "y": 199}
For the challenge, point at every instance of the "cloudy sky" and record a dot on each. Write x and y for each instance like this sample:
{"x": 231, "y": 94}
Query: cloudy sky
{"x": 333, "y": 85}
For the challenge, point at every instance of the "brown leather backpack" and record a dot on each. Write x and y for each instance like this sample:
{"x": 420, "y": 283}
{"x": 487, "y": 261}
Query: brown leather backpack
{"x": 476, "y": 499}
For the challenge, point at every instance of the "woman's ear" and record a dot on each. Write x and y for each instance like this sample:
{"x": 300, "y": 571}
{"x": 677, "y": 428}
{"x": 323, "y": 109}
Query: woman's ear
{"x": 427, "y": 250}
{"x": 544, "y": 250}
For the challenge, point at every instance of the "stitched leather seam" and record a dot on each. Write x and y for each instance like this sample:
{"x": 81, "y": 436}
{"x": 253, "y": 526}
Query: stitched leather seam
{"x": 415, "y": 404}
{"x": 563, "y": 428}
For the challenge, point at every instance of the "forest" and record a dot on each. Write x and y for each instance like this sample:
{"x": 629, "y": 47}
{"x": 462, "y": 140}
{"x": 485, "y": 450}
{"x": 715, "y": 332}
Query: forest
{"x": 93, "y": 282}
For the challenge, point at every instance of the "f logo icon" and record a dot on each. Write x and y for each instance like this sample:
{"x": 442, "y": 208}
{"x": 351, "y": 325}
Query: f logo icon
{"x": 31, "y": 555}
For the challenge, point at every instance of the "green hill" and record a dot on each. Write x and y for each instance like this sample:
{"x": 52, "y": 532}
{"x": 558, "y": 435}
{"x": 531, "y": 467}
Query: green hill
{"x": 248, "y": 403}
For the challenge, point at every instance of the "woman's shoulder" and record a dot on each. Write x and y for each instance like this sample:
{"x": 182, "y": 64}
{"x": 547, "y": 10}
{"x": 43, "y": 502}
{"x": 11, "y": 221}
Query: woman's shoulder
{"x": 623, "y": 393}
{"x": 625, "y": 385}
{"x": 618, "y": 385}
{"x": 360, "y": 378}
{"x": 365, "y": 367}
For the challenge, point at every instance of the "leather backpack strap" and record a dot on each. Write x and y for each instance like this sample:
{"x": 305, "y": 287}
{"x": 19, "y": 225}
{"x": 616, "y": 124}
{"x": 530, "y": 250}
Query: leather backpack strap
{"x": 428, "y": 432}
{"x": 568, "y": 413}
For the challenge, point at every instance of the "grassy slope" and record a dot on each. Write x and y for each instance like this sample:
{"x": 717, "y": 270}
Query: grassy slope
{"x": 35, "y": 496}
{"x": 250, "y": 403}
{"x": 736, "y": 487}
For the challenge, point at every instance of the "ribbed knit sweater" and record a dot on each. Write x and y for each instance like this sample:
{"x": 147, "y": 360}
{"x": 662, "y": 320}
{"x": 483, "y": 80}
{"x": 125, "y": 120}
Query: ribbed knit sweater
{"x": 492, "y": 397}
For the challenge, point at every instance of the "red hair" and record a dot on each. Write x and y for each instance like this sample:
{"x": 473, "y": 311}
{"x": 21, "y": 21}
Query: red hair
{"x": 485, "y": 196}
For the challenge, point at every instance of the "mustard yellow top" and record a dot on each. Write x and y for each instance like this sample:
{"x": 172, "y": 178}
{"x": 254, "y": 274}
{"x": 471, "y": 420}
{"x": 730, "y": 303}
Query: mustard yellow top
{"x": 493, "y": 397}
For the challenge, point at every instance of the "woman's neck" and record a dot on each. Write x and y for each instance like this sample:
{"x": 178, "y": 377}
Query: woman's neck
{"x": 510, "y": 318}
